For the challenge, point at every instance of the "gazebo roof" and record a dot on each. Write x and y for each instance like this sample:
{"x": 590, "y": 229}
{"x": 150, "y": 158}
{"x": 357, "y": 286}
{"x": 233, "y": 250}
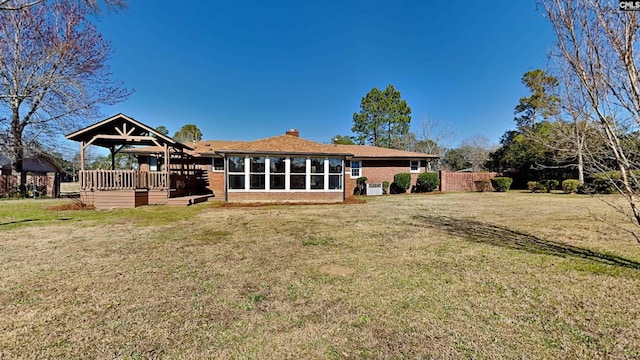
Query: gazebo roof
{"x": 122, "y": 130}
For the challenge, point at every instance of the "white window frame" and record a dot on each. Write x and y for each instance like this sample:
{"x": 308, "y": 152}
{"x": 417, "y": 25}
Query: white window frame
{"x": 307, "y": 174}
{"x": 417, "y": 170}
{"x": 213, "y": 164}
{"x": 351, "y": 168}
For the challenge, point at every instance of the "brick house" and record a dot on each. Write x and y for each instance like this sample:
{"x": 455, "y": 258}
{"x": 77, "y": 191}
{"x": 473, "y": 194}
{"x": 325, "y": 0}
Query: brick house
{"x": 43, "y": 175}
{"x": 285, "y": 168}
{"x": 290, "y": 168}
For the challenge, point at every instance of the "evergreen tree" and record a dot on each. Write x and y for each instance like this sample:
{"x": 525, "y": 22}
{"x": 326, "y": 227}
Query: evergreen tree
{"x": 384, "y": 117}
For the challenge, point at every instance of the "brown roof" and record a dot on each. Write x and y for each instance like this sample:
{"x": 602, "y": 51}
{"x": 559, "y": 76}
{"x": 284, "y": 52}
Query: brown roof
{"x": 121, "y": 129}
{"x": 366, "y": 151}
{"x": 290, "y": 145}
{"x": 283, "y": 144}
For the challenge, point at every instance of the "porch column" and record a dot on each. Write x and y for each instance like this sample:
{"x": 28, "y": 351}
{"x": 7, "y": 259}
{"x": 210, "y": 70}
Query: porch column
{"x": 113, "y": 157}
{"x": 166, "y": 170}
{"x": 82, "y": 146}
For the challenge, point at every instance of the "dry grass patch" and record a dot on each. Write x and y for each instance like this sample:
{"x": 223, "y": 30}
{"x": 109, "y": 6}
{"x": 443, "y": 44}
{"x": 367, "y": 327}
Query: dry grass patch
{"x": 477, "y": 275}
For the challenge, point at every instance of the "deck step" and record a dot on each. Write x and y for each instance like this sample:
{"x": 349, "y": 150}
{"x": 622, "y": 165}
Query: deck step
{"x": 188, "y": 200}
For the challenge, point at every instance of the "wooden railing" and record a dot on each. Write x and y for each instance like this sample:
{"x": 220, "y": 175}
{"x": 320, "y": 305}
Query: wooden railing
{"x": 123, "y": 180}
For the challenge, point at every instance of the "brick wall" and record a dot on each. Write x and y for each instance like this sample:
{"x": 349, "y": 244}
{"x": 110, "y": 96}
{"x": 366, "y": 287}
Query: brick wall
{"x": 285, "y": 196}
{"x": 216, "y": 183}
{"x": 458, "y": 181}
{"x": 377, "y": 171}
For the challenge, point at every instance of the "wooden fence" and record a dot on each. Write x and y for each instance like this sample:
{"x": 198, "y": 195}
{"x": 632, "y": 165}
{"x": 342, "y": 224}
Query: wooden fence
{"x": 464, "y": 181}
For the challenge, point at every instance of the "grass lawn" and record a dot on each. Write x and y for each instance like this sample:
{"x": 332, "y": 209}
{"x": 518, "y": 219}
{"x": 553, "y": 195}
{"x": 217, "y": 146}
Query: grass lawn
{"x": 465, "y": 275}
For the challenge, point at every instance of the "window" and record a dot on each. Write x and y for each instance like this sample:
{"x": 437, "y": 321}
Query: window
{"x": 298, "y": 175}
{"x": 257, "y": 173}
{"x": 317, "y": 174}
{"x": 277, "y": 173}
{"x": 356, "y": 169}
{"x": 154, "y": 164}
{"x": 335, "y": 174}
{"x": 414, "y": 166}
{"x": 218, "y": 164}
{"x": 235, "y": 164}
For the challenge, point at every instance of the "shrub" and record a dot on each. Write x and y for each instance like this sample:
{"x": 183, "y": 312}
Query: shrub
{"x": 482, "y": 185}
{"x": 537, "y": 186}
{"x": 401, "y": 182}
{"x": 361, "y": 187}
{"x": 551, "y": 184}
{"x": 570, "y": 186}
{"x": 604, "y": 182}
{"x": 501, "y": 184}
{"x": 385, "y": 187}
{"x": 427, "y": 182}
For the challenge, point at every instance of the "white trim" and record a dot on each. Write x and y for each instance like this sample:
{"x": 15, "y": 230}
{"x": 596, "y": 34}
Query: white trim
{"x": 213, "y": 165}
{"x": 351, "y": 169}
{"x": 287, "y": 174}
{"x": 410, "y": 166}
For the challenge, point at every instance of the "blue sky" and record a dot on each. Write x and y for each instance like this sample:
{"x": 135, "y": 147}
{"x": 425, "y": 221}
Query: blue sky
{"x": 243, "y": 70}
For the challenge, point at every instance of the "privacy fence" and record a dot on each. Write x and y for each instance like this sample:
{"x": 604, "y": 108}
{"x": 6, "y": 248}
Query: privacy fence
{"x": 465, "y": 181}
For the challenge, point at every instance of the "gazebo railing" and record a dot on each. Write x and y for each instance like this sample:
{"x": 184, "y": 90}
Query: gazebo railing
{"x": 123, "y": 180}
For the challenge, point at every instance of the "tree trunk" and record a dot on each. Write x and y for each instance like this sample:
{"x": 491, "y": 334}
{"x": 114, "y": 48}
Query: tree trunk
{"x": 580, "y": 166}
{"x": 17, "y": 146}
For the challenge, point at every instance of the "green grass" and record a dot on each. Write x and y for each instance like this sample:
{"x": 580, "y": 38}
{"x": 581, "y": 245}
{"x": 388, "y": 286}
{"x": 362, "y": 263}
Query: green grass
{"x": 473, "y": 275}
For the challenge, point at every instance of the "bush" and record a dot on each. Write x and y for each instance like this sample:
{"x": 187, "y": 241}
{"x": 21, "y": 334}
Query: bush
{"x": 385, "y": 187}
{"x": 401, "y": 182}
{"x": 604, "y": 182}
{"x": 536, "y": 187}
{"x": 361, "y": 187}
{"x": 550, "y": 184}
{"x": 501, "y": 184}
{"x": 570, "y": 186}
{"x": 482, "y": 185}
{"x": 427, "y": 182}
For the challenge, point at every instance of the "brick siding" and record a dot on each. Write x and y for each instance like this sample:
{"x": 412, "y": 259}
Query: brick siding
{"x": 285, "y": 196}
{"x": 377, "y": 171}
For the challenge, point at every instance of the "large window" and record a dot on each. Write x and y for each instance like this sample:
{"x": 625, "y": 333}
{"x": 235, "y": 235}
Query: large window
{"x": 335, "y": 174}
{"x": 257, "y": 173}
{"x": 356, "y": 169}
{"x": 263, "y": 173}
{"x": 298, "y": 175}
{"x": 317, "y": 174}
{"x": 277, "y": 169}
{"x": 235, "y": 164}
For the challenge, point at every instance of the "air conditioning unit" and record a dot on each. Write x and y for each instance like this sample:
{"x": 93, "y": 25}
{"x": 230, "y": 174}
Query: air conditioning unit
{"x": 374, "y": 189}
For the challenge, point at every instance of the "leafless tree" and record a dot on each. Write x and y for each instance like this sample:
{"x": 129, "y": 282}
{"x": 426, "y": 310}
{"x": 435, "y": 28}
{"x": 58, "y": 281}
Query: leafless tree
{"x": 435, "y": 136}
{"x": 53, "y": 74}
{"x": 94, "y": 6}
{"x": 598, "y": 42}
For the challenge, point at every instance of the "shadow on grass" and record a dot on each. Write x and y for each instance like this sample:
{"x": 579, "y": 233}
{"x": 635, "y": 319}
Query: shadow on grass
{"x": 501, "y": 236}
{"x": 19, "y": 221}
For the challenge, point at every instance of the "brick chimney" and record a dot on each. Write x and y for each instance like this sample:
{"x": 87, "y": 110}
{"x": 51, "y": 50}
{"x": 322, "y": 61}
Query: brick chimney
{"x": 293, "y": 132}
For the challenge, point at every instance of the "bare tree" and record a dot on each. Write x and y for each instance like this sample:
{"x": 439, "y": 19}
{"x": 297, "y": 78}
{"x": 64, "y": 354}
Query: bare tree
{"x": 53, "y": 74}
{"x": 92, "y": 5}
{"x": 598, "y": 42}
{"x": 435, "y": 136}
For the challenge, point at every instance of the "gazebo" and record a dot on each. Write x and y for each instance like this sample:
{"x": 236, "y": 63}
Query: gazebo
{"x": 172, "y": 177}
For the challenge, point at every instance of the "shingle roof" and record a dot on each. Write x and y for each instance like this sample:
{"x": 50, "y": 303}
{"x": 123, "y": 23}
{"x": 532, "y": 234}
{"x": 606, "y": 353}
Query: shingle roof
{"x": 291, "y": 145}
{"x": 366, "y": 151}
{"x": 283, "y": 144}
